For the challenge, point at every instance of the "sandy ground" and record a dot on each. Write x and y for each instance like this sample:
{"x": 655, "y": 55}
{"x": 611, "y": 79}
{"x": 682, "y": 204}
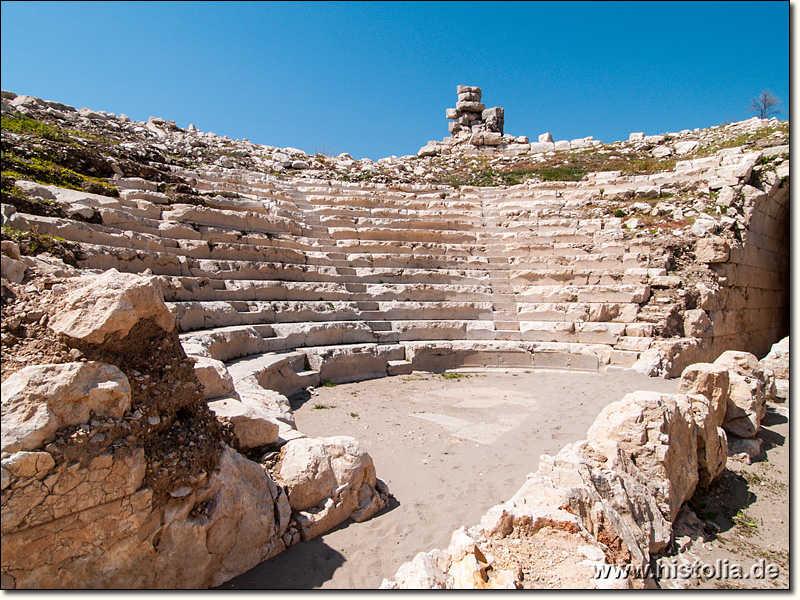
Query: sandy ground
{"x": 449, "y": 447}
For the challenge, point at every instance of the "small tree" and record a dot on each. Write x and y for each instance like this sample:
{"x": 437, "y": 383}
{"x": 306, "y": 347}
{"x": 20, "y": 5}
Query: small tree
{"x": 765, "y": 105}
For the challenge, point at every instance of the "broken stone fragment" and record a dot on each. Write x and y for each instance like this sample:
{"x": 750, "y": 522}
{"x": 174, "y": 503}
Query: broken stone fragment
{"x": 110, "y": 305}
{"x": 254, "y": 427}
{"x": 214, "y": 377}
{"x": 39, "y": 400}
{"x": 778, "y": 359}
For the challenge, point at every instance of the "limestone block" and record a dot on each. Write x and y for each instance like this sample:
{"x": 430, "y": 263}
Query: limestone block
{"x": 494, "y": 119}
{"x": 661, "y": 151}
{"x": 468, "y": 89}
{"x": 476, "y": 139}
{"x": 778, "y": 359}
{"x": 328, "y": 480}
{"x": 420, "y": 573}
{"x": 39, "y": 400}
{"x": 214, "y": 377}
{"x": 472, "y": 107}
{"x": 542, "y": 147}
{"x": 638, "y": 135}
{"x": 492, "y": 138}
{"x": 561, "y": 145}
{"x": 469, "y": 97}
{"x": 13, "y": 270}
{"x": 712, "y": 444}
{"x": 110, "y": 305}
{"x": 658, "y": 432}
{"x": 546, "y": 138}
{"x": 696, "y": 323}
{"x": 750, "y": 385}
{"x": 242, "y": 524}
{"x": 686, "y": 147}
{"x": 253, "y": 426}
{"x": 712, "y": 249}
{"x": 452, "y": 113}
{"x": 713, "y": 382}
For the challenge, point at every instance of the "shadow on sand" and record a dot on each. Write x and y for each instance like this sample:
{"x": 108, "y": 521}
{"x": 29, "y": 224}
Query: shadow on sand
{"x": 304, "y": 566}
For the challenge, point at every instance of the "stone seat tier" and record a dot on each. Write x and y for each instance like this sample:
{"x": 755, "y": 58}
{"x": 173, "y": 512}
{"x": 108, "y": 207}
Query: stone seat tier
{"x": 202, "y": 288}
{"x": 226, "y": 343}
{"x": 193, "y": 315}
{"x": 290, "y": 372}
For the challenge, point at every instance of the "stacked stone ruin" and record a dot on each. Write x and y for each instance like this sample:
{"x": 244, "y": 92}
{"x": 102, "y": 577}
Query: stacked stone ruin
{"x": 472, "y": 118}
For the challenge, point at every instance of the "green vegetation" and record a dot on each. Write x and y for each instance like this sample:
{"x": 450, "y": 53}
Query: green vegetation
{"x": 49, "y": 173}
{"x": 322, "y": 407}
{"x": 26, "y": 125}
{"x": 354, "y": 415}
{"x": 454, "y": 375}
{"x": 328, "y": 384}
{"x": 32, "y": 243}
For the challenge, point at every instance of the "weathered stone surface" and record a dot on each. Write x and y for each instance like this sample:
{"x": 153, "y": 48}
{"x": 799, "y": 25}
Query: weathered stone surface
{"x": 328, "y": 480}
{"x": 712, "y": 250}
{"x": 658, "y": 431}
{"x": 48, "y": 494}
{"x": 778, "y": 359}
{"x": 225, "y": 527}
{"x": 696, "y": 323}
{"x": 13, "y": 270}
{"x": 110, "y": 305}
{"x": 750, "y": 386}
{"x": 39, "y": 400}
{"x": 214, "y": 376}
{"x": 420, "y": 573}
{"x": 253, "y": 426}
{"x": 712, "y": 441}
{"x": 243, "y": 523}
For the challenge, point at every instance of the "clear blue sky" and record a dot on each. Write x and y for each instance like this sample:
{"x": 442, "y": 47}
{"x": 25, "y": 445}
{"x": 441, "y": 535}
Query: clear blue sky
{"x": 374, "y": 79}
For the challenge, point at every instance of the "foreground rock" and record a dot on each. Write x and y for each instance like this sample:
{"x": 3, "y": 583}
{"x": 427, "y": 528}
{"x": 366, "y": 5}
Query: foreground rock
{"x": 116, "y": 474}
{"x": 327, "y": 481}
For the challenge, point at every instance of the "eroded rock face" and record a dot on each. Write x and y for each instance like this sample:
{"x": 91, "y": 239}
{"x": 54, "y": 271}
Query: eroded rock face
{"x": 707, "y": 386}
{"x": 39, "y": 400}
{"x": 110, "y": 305}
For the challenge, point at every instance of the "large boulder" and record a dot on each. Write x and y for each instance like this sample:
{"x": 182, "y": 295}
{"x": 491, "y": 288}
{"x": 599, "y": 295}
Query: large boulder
{"x": 750, "y": 386}
{"x": 110, "y": 305}
{"x": 328, "y": 480}
{"x": 778, "y": 359}
{"x": 706, "y": 386}
{"x": 657, "y": 431}
{"x": 39, "y": 400}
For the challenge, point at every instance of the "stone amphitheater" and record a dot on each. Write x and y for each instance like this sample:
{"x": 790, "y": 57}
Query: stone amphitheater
{"x": 143, "y": 260}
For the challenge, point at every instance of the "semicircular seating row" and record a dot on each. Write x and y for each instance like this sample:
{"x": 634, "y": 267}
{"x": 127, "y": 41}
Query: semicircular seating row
{"x": 339, "y": 281}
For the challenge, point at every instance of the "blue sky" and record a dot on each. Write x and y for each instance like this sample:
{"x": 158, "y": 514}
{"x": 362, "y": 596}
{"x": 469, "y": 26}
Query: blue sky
{"x": 374, "y": 79}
